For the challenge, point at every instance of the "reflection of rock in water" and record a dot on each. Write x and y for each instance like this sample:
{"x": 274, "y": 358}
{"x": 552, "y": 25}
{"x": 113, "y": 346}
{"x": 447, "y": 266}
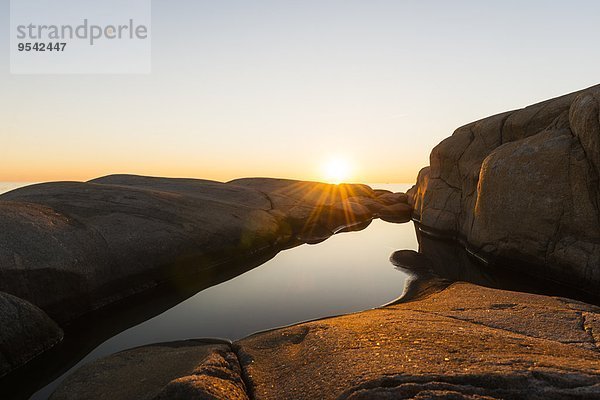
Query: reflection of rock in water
{"x": 441, "y": 261}
{"x": 422, "y": 279}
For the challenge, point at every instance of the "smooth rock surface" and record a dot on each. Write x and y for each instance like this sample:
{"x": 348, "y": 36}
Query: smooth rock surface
{"x": 396, "y": 213}
{"x": 74, "y": 247}
{"x": 191, "y": 369}
{"x": 464, "y": 342}
{"x": 25, "y": 333}
{"x": 523, "y": 186}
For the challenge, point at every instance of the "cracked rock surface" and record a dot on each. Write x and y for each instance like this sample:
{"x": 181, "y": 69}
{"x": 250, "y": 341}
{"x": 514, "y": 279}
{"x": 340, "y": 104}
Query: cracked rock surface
{"x": 523, "y": 186}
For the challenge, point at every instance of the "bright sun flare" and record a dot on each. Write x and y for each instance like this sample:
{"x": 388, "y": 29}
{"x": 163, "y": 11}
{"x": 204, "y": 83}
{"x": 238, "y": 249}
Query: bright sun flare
{"x": 336, "y": 170}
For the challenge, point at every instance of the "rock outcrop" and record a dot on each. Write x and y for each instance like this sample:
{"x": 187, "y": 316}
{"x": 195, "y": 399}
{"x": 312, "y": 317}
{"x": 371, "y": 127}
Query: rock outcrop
{"x": 465, "y": 342}
{"x": 191, "y": 369}
{"x": 26, "y": 332}
{"x": 521, "y": 188}
{"x": 71, "y": 248}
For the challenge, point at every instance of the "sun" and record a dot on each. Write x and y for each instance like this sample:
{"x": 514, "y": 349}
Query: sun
{"x": 336, "y": 170}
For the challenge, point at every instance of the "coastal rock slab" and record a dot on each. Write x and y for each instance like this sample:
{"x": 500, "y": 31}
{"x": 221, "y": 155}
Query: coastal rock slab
{"x": 521, "y": 188}
{"x": 26, "y": 332}
{"x": 191, "y": 369}
{"x": 464, "y": 342}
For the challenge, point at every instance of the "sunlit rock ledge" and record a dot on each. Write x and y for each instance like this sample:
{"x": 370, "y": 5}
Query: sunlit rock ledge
{"x": 522, "y": 187}
{"x": 69, "y": 248}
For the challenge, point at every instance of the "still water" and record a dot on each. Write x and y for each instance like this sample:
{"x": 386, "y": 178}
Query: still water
{"x": 348, "y": 272}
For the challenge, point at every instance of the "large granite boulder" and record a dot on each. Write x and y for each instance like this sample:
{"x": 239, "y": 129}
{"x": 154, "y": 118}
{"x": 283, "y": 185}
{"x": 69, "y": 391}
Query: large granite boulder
{"x": 74, "y": 247}
{"x": 521, "y": 188}
{"x": 464, "y": 342}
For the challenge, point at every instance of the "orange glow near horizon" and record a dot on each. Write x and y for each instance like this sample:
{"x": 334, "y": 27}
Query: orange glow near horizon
{"x": 334, "y": 173}
{"x": 332, "y": 169}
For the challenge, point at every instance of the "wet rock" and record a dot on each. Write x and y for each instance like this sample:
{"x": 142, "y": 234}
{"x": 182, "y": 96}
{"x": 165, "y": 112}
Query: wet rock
{"x": 522, "y": 186}
{"x": 26, "y": 332}
{"x": 191, "y": 369}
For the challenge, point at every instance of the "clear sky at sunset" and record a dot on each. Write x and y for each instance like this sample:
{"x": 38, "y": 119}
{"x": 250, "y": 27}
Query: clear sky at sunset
{"x": 278, "y": 88}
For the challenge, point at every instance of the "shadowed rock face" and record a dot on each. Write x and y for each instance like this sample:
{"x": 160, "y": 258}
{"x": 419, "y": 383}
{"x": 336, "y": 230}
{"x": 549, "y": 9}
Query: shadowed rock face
{"x": 464, "y": 342}
{"x": 25, "y": 333}
{"x": 74, "y": 247}
{"x": 523, "y": 186}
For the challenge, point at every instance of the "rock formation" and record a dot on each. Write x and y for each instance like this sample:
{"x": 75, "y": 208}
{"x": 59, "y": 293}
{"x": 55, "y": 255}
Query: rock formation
{"x": 70, "y": 248}
{"x": 191, "y": 369}
{"x": 521, "y": 188}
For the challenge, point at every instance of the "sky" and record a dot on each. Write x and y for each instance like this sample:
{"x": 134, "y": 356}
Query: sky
{"x": 280, "y": 88}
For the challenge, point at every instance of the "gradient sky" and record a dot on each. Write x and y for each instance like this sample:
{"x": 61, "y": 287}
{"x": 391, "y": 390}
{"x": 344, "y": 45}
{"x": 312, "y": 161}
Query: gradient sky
{"x": 276, "y": 88}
